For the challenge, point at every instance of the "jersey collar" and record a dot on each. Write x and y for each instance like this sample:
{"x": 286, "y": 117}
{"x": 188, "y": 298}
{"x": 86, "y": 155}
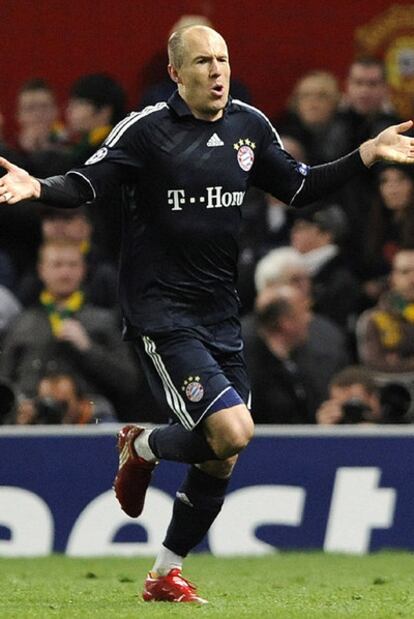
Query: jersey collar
{"x": 180, "y": 107}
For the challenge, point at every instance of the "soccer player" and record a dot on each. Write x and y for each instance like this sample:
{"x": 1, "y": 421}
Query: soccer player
{"x": 186, "y": 165}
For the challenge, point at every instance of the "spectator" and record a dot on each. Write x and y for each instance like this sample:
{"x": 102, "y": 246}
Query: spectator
{"x": 324, "y": 352}
{"x": 100, "y": 283}
{"x": 365, "y": 110}
{"x": 41, "y": 136}
{"x": 311, "y": 117}
{"x": 390, "y": 226}
{"x": 385, "y": 333}
{"x": 61, "y": 399}
{"x": 19, "y": 230}
{"x": 96, "y": 104}
{"x": 64, "y": 333}
{"x": 317, "y": 236}
{"x": 278, "y": 390}
{"x": 355, "y": 397}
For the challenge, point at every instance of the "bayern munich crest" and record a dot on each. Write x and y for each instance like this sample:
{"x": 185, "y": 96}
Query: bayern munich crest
{"x": 193, "y": 389}
{"x": 245, "y": 153}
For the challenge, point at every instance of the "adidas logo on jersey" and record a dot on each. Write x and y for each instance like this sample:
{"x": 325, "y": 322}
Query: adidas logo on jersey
{"x": 215, "y": 141}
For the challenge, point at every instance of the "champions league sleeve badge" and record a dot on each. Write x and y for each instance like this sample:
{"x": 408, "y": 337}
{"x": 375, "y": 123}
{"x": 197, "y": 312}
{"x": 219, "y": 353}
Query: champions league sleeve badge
{"x": 98, "y": 156}
{"x": 193, "y": 389}
{"x": 245, "y": 153}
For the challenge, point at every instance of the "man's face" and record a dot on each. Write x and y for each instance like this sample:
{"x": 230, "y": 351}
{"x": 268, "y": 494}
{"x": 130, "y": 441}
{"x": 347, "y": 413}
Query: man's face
{"x": 316, "y": 102}
{"x": 403, "y": 274}
{"x": 36, "y": 107}
{"x": 366, "y": 88}
{"x": 357, "y": 392}
{"x": 83, "y": 116}
{"x": 306, "y": 236}
{"x": 204, "y": 76}
{"x": 61, "y": 270}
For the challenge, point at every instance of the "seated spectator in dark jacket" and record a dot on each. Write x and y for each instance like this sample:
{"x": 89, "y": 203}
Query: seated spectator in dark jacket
{"x": 325, "y": 351}
{"x": 366, "y": 108}
{"x": 73, "y": 225}
{"x": 64, "y": 333}
{"x": 61, "y": 399}
{"x": 335, "y": 290}
{"x": 278, "y": 389}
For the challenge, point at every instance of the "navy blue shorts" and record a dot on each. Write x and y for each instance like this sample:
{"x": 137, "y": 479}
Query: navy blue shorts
{"x": 193, "y": 372}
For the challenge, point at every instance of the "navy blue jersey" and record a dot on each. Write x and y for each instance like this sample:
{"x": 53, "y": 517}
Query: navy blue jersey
{"x": 186, "y": 180}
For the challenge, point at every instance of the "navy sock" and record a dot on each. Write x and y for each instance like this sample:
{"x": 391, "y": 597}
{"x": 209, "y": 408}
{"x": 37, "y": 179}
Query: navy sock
{"x": 197, "y": 504}
{"x": 176, "y": 443}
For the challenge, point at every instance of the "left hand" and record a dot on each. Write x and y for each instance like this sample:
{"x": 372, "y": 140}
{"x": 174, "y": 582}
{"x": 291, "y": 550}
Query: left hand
{"x": 390, "y": 145}
{"x": 72, "y": 331}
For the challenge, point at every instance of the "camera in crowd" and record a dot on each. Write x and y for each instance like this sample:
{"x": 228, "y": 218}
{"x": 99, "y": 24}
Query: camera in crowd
{"x": 49, "y": 411}
{"x": 396, "y": 406}
{"x": 46, "y": 410}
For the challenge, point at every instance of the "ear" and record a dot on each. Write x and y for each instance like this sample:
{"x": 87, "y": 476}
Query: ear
{"x": 173, "y": 73}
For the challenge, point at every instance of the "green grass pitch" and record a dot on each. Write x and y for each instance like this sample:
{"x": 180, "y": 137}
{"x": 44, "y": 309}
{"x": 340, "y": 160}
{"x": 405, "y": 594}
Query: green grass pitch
{"x": 281, "y": 586}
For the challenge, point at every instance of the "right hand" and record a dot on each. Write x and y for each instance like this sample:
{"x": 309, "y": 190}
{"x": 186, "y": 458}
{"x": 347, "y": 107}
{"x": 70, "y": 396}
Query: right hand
{"x": 17, "y": 184}
{"x": 329, "y": 413}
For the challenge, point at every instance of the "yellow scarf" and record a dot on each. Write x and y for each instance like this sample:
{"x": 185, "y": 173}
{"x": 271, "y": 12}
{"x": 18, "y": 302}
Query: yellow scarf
{"x": 58, "y": 314}
{"x": 389, "y": 324}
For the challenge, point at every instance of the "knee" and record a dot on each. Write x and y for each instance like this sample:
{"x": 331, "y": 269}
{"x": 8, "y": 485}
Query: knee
{"x": 233, "y": 439}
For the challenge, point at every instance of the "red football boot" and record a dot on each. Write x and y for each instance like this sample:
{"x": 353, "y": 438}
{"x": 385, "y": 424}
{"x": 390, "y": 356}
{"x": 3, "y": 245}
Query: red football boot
{"x": 170, "y": 588}
{"x": 134, "y": 473}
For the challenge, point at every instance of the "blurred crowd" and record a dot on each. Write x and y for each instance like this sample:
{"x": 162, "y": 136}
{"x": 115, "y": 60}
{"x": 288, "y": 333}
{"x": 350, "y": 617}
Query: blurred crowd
{"x": 326, "y": 292}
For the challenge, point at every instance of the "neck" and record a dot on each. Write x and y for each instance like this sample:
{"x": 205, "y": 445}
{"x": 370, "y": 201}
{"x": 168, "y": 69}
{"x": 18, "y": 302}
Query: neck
{"x": 200, "y": 114}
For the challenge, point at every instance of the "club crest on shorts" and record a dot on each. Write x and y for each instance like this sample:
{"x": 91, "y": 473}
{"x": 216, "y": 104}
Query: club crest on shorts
{"x": 193, "y": 389}
{"x": 245, "y": 153}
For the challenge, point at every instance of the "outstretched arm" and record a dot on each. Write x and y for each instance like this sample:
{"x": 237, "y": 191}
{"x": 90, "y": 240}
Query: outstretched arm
{"x": 66, "y": 191}
{"x": 389, "y": 145}
{"x": 71, "y": 190}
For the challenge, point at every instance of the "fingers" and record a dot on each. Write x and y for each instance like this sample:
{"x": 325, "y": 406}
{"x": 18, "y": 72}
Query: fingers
{"x": 8, "y": 198}
{"x": 405, "y": 126}
{"x": 7, "y": 165}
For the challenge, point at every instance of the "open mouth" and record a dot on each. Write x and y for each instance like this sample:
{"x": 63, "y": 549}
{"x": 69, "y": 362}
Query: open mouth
{"x": 218, "y": 89}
